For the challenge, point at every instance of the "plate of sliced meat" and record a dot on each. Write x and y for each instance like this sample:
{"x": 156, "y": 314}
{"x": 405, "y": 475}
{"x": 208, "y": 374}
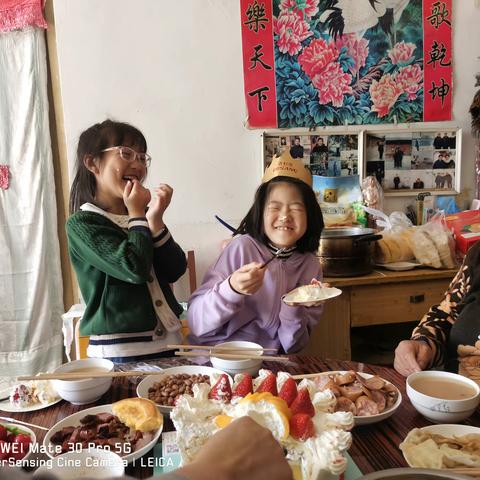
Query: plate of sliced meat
{"x": 370, "y": 398}
{"x": 99, "y": 427}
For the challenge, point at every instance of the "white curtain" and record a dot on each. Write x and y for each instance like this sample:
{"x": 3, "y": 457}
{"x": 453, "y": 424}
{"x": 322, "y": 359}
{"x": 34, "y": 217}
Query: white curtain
{"x": 30, "y": 276}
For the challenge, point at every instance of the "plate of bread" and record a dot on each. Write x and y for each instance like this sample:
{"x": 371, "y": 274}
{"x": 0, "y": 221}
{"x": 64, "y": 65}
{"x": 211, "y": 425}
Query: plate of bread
{"x": 129, "y": 427}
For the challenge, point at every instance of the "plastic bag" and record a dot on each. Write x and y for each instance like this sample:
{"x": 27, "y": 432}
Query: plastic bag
{"x": 394, "y": 246}
{"x": 433, "y": 244}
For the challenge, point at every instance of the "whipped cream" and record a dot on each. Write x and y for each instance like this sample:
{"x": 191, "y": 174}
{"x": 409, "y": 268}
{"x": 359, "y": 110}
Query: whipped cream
{"x": 197, "y": 418}
{"x": 307, "y": 293}
{"x": 32, "y": 393}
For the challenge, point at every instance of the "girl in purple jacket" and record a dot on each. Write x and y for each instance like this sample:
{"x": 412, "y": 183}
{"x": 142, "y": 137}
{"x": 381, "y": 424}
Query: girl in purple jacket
{"x": 240, "y": 300}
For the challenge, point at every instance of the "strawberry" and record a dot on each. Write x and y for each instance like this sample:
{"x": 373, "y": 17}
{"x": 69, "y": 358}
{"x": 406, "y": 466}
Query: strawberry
{"x": 3, "y": 433}
{"x": 22, "y": 438}
{"x": 301, "y": 427}
{"x": 288, "y": 391}
{"x": 302, "y": 403}
{"x": 222, "y": 390}
{"x": 4, "y": 450}
{"x": 268, "y": 385}
{"x": 244, "y": 387}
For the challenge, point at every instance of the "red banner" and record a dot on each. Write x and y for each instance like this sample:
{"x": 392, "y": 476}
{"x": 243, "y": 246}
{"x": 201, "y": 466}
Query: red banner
{"x": 437, "y": 60}
{"x": 259, "y": 63}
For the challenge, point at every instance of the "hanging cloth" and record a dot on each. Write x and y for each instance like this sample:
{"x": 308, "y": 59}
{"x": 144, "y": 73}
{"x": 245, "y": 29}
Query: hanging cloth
{"x": 18, "y": 14}
{"x": 31, "y": 302}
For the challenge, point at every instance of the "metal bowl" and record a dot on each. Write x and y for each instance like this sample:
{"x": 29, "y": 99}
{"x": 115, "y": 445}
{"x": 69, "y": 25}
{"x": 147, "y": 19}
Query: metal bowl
{"x": 345, "y": 232}
{"x": 414, "y": 474}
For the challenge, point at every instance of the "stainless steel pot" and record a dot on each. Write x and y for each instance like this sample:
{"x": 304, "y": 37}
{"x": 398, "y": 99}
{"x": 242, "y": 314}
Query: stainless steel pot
{"x": 347, "y": 252}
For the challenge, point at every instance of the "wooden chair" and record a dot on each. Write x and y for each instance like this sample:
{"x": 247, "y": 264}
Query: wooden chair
{"x": 81, "y": 342}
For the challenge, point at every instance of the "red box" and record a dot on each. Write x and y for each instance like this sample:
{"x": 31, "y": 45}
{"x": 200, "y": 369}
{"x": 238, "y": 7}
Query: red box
{"x": 465, "y": 227}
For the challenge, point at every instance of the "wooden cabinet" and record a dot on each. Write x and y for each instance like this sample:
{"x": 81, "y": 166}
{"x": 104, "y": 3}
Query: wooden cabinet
{"x": 379, "y": 298}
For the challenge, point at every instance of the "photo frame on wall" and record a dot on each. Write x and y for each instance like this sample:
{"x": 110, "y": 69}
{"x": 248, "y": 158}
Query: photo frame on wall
{"x": 332, "y": 154}
{"x": 408, "y": 162}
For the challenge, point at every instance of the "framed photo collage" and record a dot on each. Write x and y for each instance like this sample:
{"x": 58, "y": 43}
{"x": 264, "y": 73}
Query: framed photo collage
{"x": 405, "y": 162}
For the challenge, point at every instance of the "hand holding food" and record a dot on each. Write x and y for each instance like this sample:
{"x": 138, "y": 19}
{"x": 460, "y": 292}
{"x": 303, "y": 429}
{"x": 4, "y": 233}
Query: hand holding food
{"x": 136, "y": 198}
{"x": 248, "y": 279}
{"x": 412, "y": 356}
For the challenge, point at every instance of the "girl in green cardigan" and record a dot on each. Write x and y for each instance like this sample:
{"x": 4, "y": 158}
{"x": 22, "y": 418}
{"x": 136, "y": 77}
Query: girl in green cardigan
{"x": 123, "y": 254}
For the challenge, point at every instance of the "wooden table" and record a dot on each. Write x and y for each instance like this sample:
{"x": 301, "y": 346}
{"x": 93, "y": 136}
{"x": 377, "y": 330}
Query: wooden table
{"x": 375, "y": 447}
{"x": 382, "y": 297}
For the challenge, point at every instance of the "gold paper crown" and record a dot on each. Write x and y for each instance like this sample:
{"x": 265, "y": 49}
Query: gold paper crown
{"x": 287, "y": 166}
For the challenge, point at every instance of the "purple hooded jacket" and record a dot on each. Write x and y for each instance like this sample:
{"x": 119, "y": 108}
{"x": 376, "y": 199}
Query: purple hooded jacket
{"x": 218, "y": 314}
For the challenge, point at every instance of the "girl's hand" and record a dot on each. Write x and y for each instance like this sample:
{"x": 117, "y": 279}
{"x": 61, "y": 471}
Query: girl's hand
{"x": 161, "y": 201}
{"x": 136, "y": 198}
{"x": 247, "y": 279}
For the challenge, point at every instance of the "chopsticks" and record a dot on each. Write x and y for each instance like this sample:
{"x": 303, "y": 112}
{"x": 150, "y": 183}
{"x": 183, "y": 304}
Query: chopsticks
{"x": 472, "y": 471}
{"x": 238, "y": 356}
{"x": 279, "y": 252}
{"x": 306, "y": 375}
{"x": 14, "y": 420}
{"x": 79, "y": 376}
{"x": 223, "y": 349}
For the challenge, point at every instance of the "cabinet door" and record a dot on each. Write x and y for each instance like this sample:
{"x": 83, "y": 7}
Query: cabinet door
{"x": 394, "y": 303}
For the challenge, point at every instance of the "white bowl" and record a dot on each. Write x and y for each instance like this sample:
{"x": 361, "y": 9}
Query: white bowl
{"x": 147, "y": 382}
{"x": 89, "y": 390}
{"x": 91, "y": 463}
{"x": 414, "y": 473}
{"x": 22, "y": 429}
{"x": 233, "y": 366}
{"x": 74, "y": 421}
{"x": 439, "y": 410}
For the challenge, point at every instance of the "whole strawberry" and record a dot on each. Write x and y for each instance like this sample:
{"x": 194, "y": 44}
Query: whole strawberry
{"x": 302, "y": 403}
{"x": 222, "y": 390}
{"x": 268, "y": 385}
{"x": 244, "y": 387}
{"x": 288, "y": 391}
{"x": 301, "y": 427}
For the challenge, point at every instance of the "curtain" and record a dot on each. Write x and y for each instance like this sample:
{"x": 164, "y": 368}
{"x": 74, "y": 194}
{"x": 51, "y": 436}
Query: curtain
{"x": 31, "y": 301}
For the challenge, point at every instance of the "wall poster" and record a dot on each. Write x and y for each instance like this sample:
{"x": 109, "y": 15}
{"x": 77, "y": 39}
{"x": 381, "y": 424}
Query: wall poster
{"x": 313, "y": 63}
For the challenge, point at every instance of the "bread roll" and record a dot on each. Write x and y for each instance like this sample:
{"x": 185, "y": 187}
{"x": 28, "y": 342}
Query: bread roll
{"x": 440, "y": 238}
{"x": 138, "y": 414}
{"x": 425, "y": 250}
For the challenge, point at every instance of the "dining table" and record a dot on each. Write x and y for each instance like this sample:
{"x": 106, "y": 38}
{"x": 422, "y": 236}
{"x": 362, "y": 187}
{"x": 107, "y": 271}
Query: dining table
{"x": 374, "y": 447}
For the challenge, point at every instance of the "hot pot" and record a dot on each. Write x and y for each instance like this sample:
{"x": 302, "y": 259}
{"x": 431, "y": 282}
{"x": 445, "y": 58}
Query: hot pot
{"x": 347, "y": 251}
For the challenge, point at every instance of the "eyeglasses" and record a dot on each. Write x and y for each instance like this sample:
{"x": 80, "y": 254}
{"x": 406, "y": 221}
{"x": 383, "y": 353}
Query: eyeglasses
{"x": 129, "y": 155}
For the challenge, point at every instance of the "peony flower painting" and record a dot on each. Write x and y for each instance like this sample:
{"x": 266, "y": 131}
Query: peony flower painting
{"x": 341, "y": 62}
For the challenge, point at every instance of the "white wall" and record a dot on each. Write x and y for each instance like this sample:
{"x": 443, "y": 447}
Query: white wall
{"x": 174, "y": 70}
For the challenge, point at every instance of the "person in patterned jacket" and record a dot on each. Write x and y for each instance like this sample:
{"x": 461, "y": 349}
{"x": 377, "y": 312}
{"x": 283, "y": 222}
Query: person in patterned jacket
{"x": 453, "y": 322}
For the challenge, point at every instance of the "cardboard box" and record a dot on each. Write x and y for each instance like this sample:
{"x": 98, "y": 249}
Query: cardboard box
{"x": 465, "y": 227}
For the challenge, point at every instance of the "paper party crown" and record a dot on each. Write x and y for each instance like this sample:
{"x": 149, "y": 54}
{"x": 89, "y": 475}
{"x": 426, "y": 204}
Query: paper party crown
{"x": 287, "y": 166}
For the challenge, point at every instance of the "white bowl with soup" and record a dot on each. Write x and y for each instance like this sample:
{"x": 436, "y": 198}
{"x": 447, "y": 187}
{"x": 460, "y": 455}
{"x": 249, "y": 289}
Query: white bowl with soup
{"x": 443, "y": 397}
{"x": 87, "y": 390}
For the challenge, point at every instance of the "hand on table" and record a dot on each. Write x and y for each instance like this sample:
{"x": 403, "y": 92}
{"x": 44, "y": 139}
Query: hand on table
{"x": 412, "y": 356}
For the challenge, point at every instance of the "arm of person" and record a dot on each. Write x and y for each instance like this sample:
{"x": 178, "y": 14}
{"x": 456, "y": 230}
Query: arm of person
{"x": 97, "y": 241}
{"x": 169, "y": 259}
{"x": 216, "y": 302}
{"x": 248, "y": 451}
{"x": 427, "y": 346}
{"x": 297, "y": 322}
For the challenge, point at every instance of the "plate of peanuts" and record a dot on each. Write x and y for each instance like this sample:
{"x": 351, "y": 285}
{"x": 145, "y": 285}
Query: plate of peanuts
{"x": 370, "y": 398}
{"x": 167, "y": 386}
